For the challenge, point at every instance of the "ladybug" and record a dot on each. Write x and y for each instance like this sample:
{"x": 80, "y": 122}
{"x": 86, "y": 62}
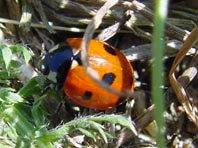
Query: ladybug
{"x": 64, "y": 66}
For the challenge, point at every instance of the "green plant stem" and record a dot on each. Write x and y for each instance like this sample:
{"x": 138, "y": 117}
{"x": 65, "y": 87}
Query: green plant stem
{"x": 157, "y": 69}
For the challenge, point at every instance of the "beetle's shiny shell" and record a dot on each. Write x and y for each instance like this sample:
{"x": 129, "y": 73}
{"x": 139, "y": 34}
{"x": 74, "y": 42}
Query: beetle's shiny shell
{"x": 112, "y": 67}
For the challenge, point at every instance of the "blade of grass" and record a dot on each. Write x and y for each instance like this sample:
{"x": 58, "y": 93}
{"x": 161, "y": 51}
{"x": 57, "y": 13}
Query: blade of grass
{"x": 161, "y": 7}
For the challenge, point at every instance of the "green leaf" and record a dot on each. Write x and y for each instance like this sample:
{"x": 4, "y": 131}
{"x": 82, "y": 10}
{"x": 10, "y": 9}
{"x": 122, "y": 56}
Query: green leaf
{"x": 87, "y": 133}
{"x": 37, "y": 113}
{"x": 34, "y": 86}
{"x": 115, "y": 119}
{"x": 21, "y": 50}
{"x": 87, "y": 126}
{"x": 27, "y": 54}
{"x": 6, "y": 54}
{"x": 18, "y": 119}
{"x": 3, "y": 81}
{"x": 15, "y": 64}
{"x": 7, "y": 95}
{"x": 3, "y": 75}
{"x": 100, "y": 130}
{"x": 6, "y": 75}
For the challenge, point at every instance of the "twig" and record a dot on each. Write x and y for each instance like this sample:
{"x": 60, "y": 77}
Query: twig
{"x": 143, "y": 52}
{"x": 97, "y": 20}
{"x": 171, "y": 30}
{"x": 37, "y": 25}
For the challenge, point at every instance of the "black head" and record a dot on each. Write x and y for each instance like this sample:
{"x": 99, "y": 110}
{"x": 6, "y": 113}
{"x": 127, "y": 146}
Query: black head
{"x": 57, "y": 63}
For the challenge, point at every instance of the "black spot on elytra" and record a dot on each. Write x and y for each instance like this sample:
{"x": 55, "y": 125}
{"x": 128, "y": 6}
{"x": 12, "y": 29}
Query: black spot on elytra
{"x": 109, "y": 49}
{"x": 87, "y": 95}
{"x": 109, "y": 78}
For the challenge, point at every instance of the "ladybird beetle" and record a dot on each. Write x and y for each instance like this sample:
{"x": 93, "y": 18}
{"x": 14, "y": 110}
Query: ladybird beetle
{"x": 64, "y": 66}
